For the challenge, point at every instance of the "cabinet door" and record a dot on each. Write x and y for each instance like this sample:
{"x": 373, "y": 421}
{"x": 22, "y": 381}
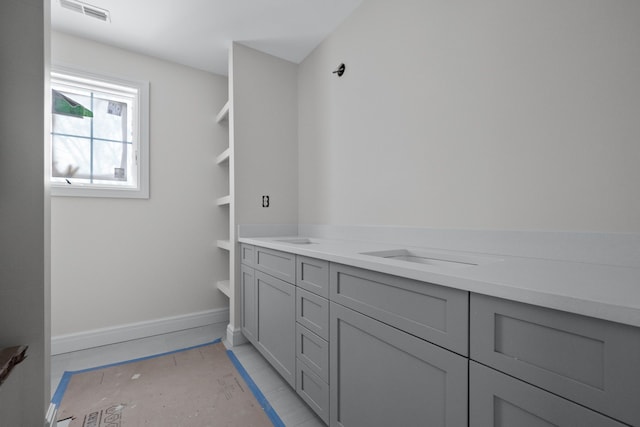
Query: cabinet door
{"x": 249, "y": 316}
{"x": 496, "y": 399}
{"x": 381, "y": 376}
{"x": 276, "y": 302}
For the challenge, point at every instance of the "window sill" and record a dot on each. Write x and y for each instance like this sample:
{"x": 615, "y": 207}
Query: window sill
{"x": 109, "y": 192}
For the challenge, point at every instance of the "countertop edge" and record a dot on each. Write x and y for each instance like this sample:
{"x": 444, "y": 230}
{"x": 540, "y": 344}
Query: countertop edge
{"x": 490, "y": 281}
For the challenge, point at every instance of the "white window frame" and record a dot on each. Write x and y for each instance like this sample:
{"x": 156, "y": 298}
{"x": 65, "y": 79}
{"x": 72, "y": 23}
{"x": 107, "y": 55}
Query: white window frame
{"x": 94, "y": 190}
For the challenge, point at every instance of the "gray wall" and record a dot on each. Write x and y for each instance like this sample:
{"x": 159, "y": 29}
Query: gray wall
{"x": 499, "y": 114}
{"x": 23, "y": 283}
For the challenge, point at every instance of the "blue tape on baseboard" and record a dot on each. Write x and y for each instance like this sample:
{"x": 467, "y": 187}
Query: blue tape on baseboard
{"x": 66, "y": 377}
{"x": 271, "y": 413}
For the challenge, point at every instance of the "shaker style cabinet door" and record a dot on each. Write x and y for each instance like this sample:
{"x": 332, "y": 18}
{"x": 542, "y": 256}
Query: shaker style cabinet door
{"x": 381, "y": 376}
{"x": 496, "y": 399}
{"x": 276, "y": 302}
{"x": 249, "y": 316}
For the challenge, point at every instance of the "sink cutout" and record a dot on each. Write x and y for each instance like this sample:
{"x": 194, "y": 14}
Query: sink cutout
{"x": 431, "y": 258}
{"x": 296, "y": 241}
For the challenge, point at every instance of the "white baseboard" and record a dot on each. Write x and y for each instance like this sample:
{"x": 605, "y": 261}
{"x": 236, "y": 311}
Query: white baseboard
{"x": 104, "y": 336}
{"x": 234, "y": 336}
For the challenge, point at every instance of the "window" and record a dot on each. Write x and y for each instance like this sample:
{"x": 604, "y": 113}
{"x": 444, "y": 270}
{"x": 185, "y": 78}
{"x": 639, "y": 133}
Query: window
{"x": 99, "y": 135}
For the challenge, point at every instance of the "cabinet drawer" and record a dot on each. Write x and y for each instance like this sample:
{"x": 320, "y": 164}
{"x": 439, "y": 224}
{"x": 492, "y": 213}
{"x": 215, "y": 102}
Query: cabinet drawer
{"x": 246, "y": 254}
{"x": 313, "y": 275}
{"x": 276, "y": 263}
{"x": 312, "y": 311}
{"x": 434, "y": 313}
{"x": 313, "y": 390}
{"x": 314, "y": 351}
{"x": 496, "y": 399}
{"x": 589, "y": 361}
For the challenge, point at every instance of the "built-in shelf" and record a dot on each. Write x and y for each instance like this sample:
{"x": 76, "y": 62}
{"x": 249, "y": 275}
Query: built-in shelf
{"x": 224, "y": 244}
{"x": 223, "y": 200}
{"x": 224, "y": 287}
{"x": 224, "y": 156}
{"x": 223, "y": 115}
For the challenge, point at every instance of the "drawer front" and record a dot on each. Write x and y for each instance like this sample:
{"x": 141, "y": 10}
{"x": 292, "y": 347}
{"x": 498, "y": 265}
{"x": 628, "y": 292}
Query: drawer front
{"x": 276, "y": 263}
{"x": 313, "y": 390}
{"x": 434, "y": 313}
{"x": 246, "y": 254}
{"x": 589, "y": 361}
{"x": 313, "y": 275}
{"x": 312, "y": 311}
{"x": 314, "y": 351}
{"x": 496, "y": 399}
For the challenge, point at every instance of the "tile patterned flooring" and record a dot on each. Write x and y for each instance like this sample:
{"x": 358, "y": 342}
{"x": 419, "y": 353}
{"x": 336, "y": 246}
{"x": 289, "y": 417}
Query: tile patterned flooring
{"x": 292, "y": 410}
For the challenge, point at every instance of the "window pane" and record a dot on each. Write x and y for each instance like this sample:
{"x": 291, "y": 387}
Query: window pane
{"x": 111, "y": 161}
{"x": 111, "y": 119}
{"x": 71, "y": 157}
{"x": 69, "y": 125}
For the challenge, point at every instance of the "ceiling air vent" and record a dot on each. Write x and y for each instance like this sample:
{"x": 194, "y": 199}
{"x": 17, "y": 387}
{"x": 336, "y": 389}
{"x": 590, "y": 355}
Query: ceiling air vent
{"x": 86, "y": 9}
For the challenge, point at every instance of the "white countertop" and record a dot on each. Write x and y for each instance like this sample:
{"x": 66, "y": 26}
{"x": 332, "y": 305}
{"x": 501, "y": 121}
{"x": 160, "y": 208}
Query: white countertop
{"x": 597, "y": 290}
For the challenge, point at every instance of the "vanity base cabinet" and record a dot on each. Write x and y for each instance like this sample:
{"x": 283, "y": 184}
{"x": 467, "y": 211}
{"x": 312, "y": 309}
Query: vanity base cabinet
{"x": 496, "y": 400}
{"x": 381, "y": 376}
{"x": 276, "y": 315}
{"x": 592, "y": 362}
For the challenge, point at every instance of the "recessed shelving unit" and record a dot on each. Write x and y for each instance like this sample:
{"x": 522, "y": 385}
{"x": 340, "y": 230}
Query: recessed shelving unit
{"x": 223, "y": 115}
{"x": 221, "y": 201}
{"x": 224, "y": 287}
{"x": 227, "y": 243}
{"x": 224, "y": 244}
{"x": 223, "y": 157}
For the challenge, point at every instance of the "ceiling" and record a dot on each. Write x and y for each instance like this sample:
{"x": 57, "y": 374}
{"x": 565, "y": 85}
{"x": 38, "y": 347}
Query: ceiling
{"x": 198, "y": 33}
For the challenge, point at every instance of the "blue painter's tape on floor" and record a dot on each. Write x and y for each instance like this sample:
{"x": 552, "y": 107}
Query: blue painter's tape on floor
{"x": 66, "y": 377}
{"x": 271, "y": 413}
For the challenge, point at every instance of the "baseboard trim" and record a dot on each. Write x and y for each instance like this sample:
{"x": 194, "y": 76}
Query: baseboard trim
{"x": 105, "y": 336}
{"x": 234, "y": 336}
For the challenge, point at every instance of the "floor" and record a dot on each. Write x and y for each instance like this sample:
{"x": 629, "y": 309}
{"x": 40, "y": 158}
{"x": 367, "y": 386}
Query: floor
{"x": 292, "y": 410}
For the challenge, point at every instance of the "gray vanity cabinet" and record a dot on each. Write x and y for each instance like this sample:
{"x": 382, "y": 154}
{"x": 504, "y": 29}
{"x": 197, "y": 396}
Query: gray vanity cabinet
{"x": 496, "y": 399}
{"x": 592, "y": 362}
{"x": 269, "y": 306}
{"x": 381, "y": 376}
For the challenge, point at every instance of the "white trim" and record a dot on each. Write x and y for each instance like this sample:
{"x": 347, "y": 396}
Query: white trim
{"x": 50, "y": 416}
{"x": 234, "y": 336}
{"x": 142, "y": 190}
{"x": 115, "y": 334}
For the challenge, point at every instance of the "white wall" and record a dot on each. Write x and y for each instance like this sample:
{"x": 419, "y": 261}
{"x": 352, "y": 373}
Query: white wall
{"x": 23, "y": 210}
{"x": 500, "y": 114}
{"x": 265, "y": 113}
{"x": 263, "y": 121}
{"x": 120, "y": 261}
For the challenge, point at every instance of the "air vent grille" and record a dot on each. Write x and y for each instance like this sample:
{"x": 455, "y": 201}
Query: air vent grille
{"x": 86, "y": 9}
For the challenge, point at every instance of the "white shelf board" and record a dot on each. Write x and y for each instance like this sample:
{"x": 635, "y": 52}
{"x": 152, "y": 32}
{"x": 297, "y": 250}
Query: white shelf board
{"x": 224, "y": 287}
{"x": 224, "y": 244}
{"x": 223, "y": 115}
{"x": 224, "y": 156}
{"x": 226, "y": 200}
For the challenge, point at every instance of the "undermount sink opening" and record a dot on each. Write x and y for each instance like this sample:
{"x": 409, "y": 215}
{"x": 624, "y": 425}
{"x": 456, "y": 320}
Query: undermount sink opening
{"x": 431, "y": 258}
{"x": 296, "y": 241}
